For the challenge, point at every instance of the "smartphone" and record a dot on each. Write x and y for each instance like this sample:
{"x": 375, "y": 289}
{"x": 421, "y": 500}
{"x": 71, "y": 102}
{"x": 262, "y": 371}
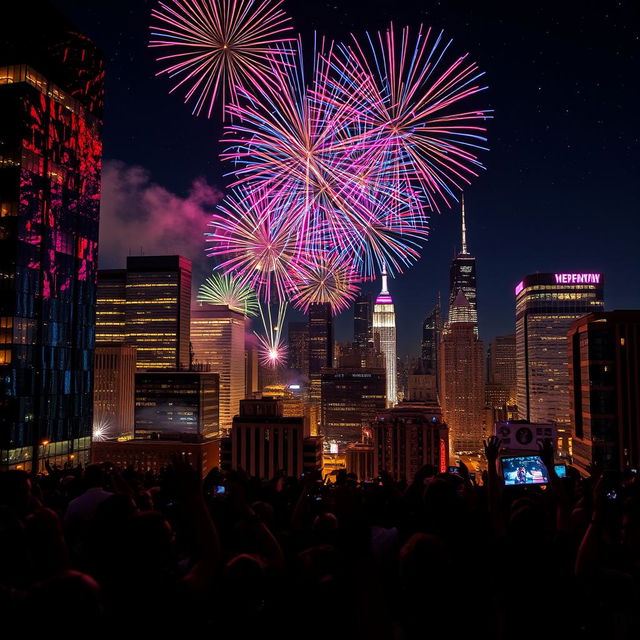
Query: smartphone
{"x": 524, "y": 470}
{"x": 561, "y": 470}
{"x": 455, "y": 469}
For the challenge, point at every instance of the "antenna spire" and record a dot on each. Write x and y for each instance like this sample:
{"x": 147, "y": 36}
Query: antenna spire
{"x": 464, "y": 229}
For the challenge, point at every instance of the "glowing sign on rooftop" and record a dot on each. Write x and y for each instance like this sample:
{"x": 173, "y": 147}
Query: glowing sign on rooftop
{"x": 577, "y": 278}
{"x": 519, "y": 287}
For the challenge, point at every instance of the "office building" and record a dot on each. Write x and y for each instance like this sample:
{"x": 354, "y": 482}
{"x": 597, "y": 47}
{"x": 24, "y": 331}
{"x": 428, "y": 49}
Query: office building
{"x": 176, "y": 405}
{"x": 263, "y": 442}
{"x": 359, "y": 460}
{"x": 351, "y": 398}
{"x": 320, "y": 346}
{"x": 462, "y": 277}
{"x": 217, "y": 342}
{"x": 421, "y": 386}
{"x": 354, "y": 356}
{"x": 363, "y": 320}
{"x": 114, "y": 370}
{"x": 384, "y": 330}
{"x": 251, "y": 369}
{"x": 111, "y": 307}
{"x": 462, "y": 381}
{"x": 500, "y": 388}
{"x": 431, "y": 333}
{"x": 604, "y": 376}
{"x": 51, "y": 98}
{"x": 407, "y": 437}
{"x": 298, "y": 347}
{"x": 546, "y": 305}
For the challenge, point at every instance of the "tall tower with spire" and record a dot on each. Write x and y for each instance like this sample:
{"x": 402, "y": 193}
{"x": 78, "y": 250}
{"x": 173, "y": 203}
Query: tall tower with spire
{"x": 384, "y": 324}
{"x": 462, "y": 277}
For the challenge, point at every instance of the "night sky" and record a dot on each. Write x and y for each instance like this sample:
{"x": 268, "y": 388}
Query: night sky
{"x": 560, "y": 191}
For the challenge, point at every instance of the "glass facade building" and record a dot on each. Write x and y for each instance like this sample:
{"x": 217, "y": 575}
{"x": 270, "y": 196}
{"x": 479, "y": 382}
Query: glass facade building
{"x": 320, "y": 346}
{"x": 546, "y": 305}
{"x": 217, "y": 341}
{"x": 363, "y": 320}
{"x": 51, "y": 95}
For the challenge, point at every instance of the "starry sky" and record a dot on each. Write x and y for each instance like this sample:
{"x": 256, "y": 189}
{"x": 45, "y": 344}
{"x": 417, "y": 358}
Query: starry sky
{"x": 560, "y": 191}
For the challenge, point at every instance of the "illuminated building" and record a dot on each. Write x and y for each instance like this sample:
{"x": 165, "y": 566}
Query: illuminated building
{"x": 500, "y": 390}
{"x": 462, "y": 277}
{"x": 320, "y": 346}
{"x": 176, "y": 405}
{"x": 546, "y": 305}
{"x": 359, "y": 460}
{"x": 422, "y": 387}
{"x": 431, "y": 333}
{"x": 51, "y": 98}
{"x": 264, "y": 442}
{"x": 462, "y": 380}
{"x": 353, "y": 355}
{"x": 147, "y": 305}
{"x": 298, "y": 347}
{"x": 217, "y": 340}
{"x": 384, "y": 325}
{"x": 114, "y": 369}
{"x": 363, "y": 320}
{"x": 156, "y": 455}
{"x": 407, "y": 437}
{"x": 604, "y": 369}
{"x": 158, "y": 310}
{"x": 351, "y": 398}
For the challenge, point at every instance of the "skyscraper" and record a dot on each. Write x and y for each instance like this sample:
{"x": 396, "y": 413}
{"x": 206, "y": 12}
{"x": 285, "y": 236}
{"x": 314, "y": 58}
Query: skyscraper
{"x": 51, "y": 98}
{"x": 462, "y": 277}
{"x": 431, "y": 332}
{"x": 298, "y": 347}
{"x": 604, "y": 370}
{"x": 546, "y": 305}
{"x": 384, "y": 324}
{"x": 462, "y": 379}
{"x": 320, "y": 346}
{"x": 217, "y": 340}
{"x": 363, "y": 320}
{"x": 158, "y": 308}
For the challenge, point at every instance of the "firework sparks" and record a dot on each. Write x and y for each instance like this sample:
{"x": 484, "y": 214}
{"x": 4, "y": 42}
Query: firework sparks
{"x": 272, "y": 350}
{"x": 229, "y": 290}
{"x": 215, "y": 46}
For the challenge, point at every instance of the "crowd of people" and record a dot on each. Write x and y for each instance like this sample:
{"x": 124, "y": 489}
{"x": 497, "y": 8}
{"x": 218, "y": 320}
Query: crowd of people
{"x": 100, "y": 550}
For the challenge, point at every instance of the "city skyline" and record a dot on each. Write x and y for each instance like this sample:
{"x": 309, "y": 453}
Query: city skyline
{"x": 544, "y": 178}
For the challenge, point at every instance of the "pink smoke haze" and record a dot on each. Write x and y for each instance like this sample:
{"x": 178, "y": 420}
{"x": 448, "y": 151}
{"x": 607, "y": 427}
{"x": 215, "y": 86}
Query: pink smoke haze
{"x": 137, "y": 215}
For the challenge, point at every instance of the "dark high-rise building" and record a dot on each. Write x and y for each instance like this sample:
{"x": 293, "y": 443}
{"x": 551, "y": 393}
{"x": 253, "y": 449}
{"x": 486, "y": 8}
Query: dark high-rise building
{"x": 320, "y": 346}
{"x": 462, "y": 277}
{"x": 500, "y": 388}
{"x": 51, "y": 98}
{"x": 604, "y": 373}
{"x": 263, "y": 442}
{"x": 351, "y": 398}
{"x": 546, "y": 305}
{"x": 407, "y": 437}
{"x": 147, "y": 305}
{"x": 177, "y": 404}
{"x": 431, "y": 333}
{"x": 298, "y": 347}
{"x": 363, "y": 320}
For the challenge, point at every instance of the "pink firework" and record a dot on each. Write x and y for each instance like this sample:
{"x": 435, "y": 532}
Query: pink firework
{"x": 325, "y": 277}
{"x": 215, "y": 46}
{"x": 254, "y": 238}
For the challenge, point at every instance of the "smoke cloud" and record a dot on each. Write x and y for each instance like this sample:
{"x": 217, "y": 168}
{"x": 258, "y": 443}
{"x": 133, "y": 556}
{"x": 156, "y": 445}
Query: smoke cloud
{"x": 139, "y": 216}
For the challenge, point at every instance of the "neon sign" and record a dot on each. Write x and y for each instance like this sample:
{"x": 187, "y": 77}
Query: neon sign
{"x": 519, "y": 287}
{"x": 577, "y": 278}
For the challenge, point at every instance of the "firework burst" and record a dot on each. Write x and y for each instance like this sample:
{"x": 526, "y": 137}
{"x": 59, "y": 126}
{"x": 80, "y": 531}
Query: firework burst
{"x": 228, "y": 290}
{"x": 272, "y": 351}
{"x": 215, "y": 46}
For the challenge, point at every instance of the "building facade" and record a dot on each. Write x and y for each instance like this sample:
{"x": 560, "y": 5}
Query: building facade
{"x": 351, "y": 398}
{"x": 176, "y": 405}
{"x": 546, "y": 305}
{"x": 462, "y": 382}
{"x": 217, "y": 341}
{"x": 431, "y": 333}
{"x": 604, "y": 375}
{"x": 51, "y": 98}
{"x": 263, "y": 442}
{"x": 320, "y": 346}
{"x": 407, "y": 437}
{"x": 384, "y": 330}
{"x": 298, "y": 347}
{"x": 114, "y": 369}
{"x": 363, "y": 320}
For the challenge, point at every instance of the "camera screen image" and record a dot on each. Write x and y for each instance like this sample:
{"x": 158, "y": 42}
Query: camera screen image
{"x": 524, "y": 470}
{"x": 561, "y": 470}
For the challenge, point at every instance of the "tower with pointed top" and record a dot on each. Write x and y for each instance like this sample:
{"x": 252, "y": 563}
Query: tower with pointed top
{"x": 462, "y": 277}
{"x": 384, "y": 324}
